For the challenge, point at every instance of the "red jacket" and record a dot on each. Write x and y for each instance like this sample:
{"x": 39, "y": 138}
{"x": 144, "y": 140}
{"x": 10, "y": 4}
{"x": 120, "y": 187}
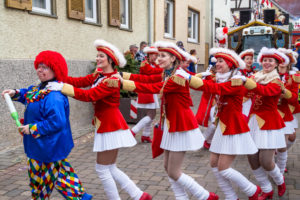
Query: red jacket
{"x": 284, "y": 104}
{"x": 206, "y": 102}
{"x": 265, "y": 103}
{"x": 293, "y": 102}
{"x": 106, "y": 100}
{"x": 229, "y": 106}
{"x": 148, "y": 69}
{"x": 176, "y": 98}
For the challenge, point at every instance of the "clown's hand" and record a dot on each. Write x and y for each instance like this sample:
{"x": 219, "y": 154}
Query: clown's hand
{"x": 239, "y": 77}
{"x": 55, "y": 86}
{"x": 183, "y": 73}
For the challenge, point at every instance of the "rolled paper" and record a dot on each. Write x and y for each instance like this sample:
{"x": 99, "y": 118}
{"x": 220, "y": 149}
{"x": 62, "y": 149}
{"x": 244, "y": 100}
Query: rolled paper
{"x": 12, "y": 109}
{"x": 9, "y": 103}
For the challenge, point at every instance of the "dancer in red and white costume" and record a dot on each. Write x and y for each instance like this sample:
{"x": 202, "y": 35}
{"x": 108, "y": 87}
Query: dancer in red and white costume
{"x": 266, "y": 125}
{"x": 248, "y": 57}
{"x": 149, "y": 102}
{"x": 232, "y": 136}
{"x": 180, "y": 133}
{"x": 111, "y": 130}
{"x": 284, "y": 106}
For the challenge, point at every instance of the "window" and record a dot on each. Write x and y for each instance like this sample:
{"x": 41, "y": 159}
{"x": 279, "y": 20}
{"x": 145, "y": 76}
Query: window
{"x": 124, "y": 14}
{"x": 217, "y": 24}
{"x": 223, "y": 24}
{"x": 91, "y": 14}
{"x": 42, "y": 6}
{"x": 169, "y": 18}
{"x": 193, "y": 26}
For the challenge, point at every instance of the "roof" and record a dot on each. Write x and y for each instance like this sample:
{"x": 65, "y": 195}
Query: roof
{"x": 257, "y": 22}
{"x": 290, "y": 6}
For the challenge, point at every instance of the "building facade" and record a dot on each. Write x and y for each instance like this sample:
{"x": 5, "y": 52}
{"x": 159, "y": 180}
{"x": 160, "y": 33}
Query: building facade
{"x": 69, "y": 27}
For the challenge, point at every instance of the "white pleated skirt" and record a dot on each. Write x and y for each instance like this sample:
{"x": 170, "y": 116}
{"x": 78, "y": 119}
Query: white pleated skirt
{"x": 191, "y": 140}
{"x": 239, "y": 144}
{"x": 266, "y": 139}
{"x": 246, "y": 107}
{"x": 154, "y": 105}
{"x": 295, "y": 121}
{"x": 289, "y": 128}
{"x": 113, "y": 140}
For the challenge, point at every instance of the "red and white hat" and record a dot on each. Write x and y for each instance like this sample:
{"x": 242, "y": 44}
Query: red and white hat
{"x": 290, "y": 54}
{"x": 229, "y": 56}
{"x": 112, "y": 51}
{"x": 151, "y": 49}
{"x": 247, "y": 52}
{"x": 173, "y": 49}
{"x": 221, "y": 34}
{"x": 272, "y": 53}
{"x": 297, "y": 44}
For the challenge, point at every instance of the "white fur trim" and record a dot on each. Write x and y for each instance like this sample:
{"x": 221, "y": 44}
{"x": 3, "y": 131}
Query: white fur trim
{"x": 164, "y": 44}
{"x": 246, "y": 52}
{"x": 193, "y": 59}
{"x": 289, "y": 51}
{"x": 241, "y": 63}
{"x": 118, "y": 54}
{"x": 150, "y": 50}
{"x": 295, "y": 69}
{"x": 271, "y": 51}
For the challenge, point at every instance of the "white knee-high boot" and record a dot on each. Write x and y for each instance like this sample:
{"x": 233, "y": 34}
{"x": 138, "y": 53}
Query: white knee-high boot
{"x": 225, "y": 185}
{"x": 193, "y": 187}
{"x": 147, "y": 129}
{"x": 141, "y": 124}
{"x": 108, "y": 182}
{"x": 178, "y": 190}
{"x": 281, "y": 160}
{"x": 262, "y": 179}
{"x": 125, "y": 182}
{"x": 242, "y": 182}
{"x": 276, "y": 175}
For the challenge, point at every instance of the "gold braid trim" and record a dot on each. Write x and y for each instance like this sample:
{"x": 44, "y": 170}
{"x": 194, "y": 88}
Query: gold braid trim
{"x": 236, "y": 82}
{"x": 250, "y": 84}
{"x": 196, "y": 82}
{"x": 179, "y": 80}
{"x": 68, "y": 90}
{"x": 287, "y": 94}
{"x": 281, "y": 113}
{"x": 292, "y": 108}
{"x": 126, "y": 75}
{"x": 111, "y": 82}
{"x": 296, "y": 78}
{"x": 129, "y": 85}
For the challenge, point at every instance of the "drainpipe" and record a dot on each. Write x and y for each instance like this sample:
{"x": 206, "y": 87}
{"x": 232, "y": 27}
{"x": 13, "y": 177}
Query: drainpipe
{"x": 212, "y": 23}
{"x": 150, "y": 21}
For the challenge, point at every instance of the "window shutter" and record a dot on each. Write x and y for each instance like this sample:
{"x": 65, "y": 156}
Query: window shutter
{"x": 114, "y": 12}
{"x": 76, "y": 9}
{"x": 19, "y": 4}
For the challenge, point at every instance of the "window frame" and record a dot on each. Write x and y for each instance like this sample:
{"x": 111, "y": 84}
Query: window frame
{"x": 196, "y": 27}
{"x": 46, "y": 11}
{"x": 224, "y": 24}
{"x": 171, "y": 19}
{"x": 127, "y": 14}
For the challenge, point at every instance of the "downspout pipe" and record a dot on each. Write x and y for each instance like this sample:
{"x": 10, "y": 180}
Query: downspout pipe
{"x": 212, "y": 23}
{"x": 150, "y": 21}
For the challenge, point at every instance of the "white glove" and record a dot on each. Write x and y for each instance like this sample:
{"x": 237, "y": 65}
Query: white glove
{"x": 55, "y": 86}
{"x": 204, "y": 74}
{"x": 239, "y": 77}
{"x": 183, "y": 73}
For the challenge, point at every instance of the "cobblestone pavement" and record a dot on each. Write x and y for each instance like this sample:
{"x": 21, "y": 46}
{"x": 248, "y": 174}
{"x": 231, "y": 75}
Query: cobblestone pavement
{"x": 138, "y": 164}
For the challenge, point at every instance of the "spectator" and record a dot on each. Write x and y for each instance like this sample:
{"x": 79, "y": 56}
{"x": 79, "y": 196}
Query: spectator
{"x": 132, "y": 50}
{"x": 297, "y": 45}
{"x": 180, "y": 45}
{"x": 140, "y": 55}
{"x": 192, "y": 66}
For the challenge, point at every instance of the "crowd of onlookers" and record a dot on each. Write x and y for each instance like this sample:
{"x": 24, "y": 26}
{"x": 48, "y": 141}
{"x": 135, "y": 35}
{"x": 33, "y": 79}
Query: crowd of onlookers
{"x": 138, "y": 54}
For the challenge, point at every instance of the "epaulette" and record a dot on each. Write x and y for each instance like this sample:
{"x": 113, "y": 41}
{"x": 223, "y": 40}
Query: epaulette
{"x": 279, "y": 82}
{"x": 112, "y": 82}
{"x": 296, "y": 78}
{"x": 179, "y": 80}
{"x": 144, "y": 63}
